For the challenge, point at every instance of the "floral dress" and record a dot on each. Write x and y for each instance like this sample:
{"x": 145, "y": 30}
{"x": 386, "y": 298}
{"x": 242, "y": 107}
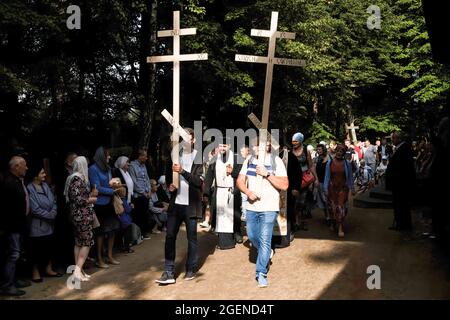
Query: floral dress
{"x": 337, "y": 192}
{"x": 82, "y": 213}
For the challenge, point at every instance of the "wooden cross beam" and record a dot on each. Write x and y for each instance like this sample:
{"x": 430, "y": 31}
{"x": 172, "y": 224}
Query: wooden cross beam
{"x": 176, "y": 126}
{"x": 270, "y": 61}
{"x": 176, "y": 58}
{"x": 254, "y": 119}
{"x": 352, "y": 130}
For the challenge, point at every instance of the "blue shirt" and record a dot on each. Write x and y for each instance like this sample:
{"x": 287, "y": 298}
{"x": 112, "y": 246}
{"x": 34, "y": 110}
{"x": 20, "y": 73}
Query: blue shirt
{"x": 101, "y": 180}
{"x": 43, "y": 210}
{"x": 138, "y": 173}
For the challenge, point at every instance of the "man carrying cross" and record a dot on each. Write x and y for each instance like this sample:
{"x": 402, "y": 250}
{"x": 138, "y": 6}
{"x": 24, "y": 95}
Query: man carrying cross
{"x": 262, "y": 211}
{"x": 185, "y": 206}
{"x": 225, "y": 198}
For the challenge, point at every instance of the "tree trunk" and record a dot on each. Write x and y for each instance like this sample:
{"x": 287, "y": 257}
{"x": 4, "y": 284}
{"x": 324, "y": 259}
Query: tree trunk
{"x": 147, "y": 75}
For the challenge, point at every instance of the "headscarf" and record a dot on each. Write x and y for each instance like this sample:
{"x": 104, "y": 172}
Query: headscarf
{"x": 298, "y": 137}
{"x": 120, "y": 162}
{"x": 100, "y": 159}
{"x": 162, "y": 180}
{"x": 80, "y": 169}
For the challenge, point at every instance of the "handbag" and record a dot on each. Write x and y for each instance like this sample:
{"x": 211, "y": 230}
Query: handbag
{"x": 307, "y": 178}
{"x": 96, "y": 223}
{"x": 118, "y": 205}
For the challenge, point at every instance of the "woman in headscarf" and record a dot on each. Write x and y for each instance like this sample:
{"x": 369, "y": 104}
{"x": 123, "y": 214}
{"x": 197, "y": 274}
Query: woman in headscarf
{"x": 304, "y": 195}
{"x": 100, "y": 176}
{"x": 337, "y": 184}
{"x": 121, "y": 171}
{"x": 81, "y": 201}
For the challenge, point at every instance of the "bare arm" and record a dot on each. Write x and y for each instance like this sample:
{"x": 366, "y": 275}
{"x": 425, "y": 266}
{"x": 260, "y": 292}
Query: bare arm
{"x": 242, "y": 185}
{"x": 311, "y": 166}
{"x": 279, "y": 183}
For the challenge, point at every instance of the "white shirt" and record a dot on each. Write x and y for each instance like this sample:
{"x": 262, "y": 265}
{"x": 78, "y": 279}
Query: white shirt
{"x": 270, "y": 197}
{"x": 187, "y": 159}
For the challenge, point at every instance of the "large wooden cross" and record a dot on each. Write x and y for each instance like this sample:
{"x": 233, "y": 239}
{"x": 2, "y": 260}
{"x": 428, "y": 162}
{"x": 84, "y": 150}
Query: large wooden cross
{"x": 352, "y": 130}
{"x": 254, "y": 119}
{"x": 176, "y": 58}
{"x": 270, "y": 61}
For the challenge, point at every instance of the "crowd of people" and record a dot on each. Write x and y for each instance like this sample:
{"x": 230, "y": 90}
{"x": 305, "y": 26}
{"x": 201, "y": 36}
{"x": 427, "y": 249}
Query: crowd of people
{"x": 107, "y": 207}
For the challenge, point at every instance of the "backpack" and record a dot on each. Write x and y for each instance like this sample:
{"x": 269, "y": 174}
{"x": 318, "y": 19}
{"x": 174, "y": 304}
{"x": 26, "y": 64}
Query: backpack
{"x": 273, "y": 162}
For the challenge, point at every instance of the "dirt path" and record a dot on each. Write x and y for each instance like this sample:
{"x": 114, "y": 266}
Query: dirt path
{"x": 317, "y": 265}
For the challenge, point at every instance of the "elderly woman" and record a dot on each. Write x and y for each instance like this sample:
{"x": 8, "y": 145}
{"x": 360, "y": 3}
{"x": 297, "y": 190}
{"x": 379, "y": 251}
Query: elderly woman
{"x": 321, "y": 164}
{"x": 100, "y": 176}
{"x": 303, "y": 156}
{"x": 41, "y": 223}
{"x": 121, "y": 171}
{"x": 81, "y": 201}
{"x": 337, "y": 184}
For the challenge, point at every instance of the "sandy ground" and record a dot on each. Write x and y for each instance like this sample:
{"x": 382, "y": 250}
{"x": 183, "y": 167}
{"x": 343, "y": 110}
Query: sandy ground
{"x": 317, "y": 265}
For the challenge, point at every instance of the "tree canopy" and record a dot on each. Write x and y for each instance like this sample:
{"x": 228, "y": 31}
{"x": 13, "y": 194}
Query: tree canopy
{"x": 95, "y": 82}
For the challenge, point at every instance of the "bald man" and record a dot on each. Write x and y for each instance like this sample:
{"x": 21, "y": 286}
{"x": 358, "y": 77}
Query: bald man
{"x": 13, "y": 217}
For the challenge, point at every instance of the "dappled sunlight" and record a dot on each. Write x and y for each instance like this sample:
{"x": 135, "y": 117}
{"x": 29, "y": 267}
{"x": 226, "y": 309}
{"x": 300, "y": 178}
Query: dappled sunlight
{"x": 106, "y": 291}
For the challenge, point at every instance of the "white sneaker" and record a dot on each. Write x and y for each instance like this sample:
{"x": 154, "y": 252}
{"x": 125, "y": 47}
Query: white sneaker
{"x": 204, "y": 224}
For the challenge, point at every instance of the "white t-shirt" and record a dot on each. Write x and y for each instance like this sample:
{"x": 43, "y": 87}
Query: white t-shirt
{"x": 270, "y": 197}
{"x": 187, "y": 159}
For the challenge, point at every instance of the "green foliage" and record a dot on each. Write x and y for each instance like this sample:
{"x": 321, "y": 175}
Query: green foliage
{"x": 381, "y": 124}
{"x": 97, "y": 76}
{"x": 319, "y": 132}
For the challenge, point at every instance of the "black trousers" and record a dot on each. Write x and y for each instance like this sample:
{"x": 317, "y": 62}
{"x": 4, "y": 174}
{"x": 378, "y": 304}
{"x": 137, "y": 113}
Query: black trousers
{"x": 402, "y": 209}
{"x": 175, "y": 218}
{"x": 140, "y": 213}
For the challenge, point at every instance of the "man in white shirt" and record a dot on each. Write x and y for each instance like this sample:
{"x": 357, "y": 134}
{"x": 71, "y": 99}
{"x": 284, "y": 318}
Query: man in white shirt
{"x": 185, "y": 206}
{"x": 262, "y": 210}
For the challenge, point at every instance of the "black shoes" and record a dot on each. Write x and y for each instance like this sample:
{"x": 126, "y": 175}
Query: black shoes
{"x": 238, "y": 238}
{"x": 22, "y": 283}
{"x": 167, "y": 277}
{"x": 12, "y": 292}
{"x": 291, "y": 237}
{"x": 189, "y": 275}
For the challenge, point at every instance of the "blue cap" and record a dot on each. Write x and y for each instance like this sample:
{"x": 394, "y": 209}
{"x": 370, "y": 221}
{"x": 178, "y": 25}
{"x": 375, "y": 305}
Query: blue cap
{"x": 298, "y": 137}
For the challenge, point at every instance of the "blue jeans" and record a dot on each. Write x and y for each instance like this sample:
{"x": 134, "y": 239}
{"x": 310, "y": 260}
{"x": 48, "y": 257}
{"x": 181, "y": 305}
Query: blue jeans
{"x": 13, "y": 254}
{"x": 259, "y": 231}
{"x": 174, "y": 220}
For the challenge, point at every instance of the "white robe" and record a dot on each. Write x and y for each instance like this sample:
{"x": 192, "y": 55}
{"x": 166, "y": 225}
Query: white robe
{"x": 224, "y": 195}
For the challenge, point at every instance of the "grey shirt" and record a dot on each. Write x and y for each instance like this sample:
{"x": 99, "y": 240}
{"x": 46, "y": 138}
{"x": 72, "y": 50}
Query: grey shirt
{"x": 370, "y": 154}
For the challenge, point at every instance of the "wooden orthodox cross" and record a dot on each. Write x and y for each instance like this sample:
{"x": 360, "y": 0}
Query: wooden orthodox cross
{"x": 176, "y": 58}
{"x": 270, "y": 61}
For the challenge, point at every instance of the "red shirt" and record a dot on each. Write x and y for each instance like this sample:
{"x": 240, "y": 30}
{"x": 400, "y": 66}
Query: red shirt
{"x": 358, "y": 151}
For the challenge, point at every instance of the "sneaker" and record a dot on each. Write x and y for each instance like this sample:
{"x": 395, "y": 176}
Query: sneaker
{"x": 204, "y": 224}
{"x": 12, "y": 292}
{"x": 272, "y": 252}
{"x": 156, "y": 231}
{"x": 146, "y": 237}
{"x": 22, "y": 283}
{"x": 189, "y": 275}
{"x": 167, "y": 277}
{"x": 291, "y": 237}
{"x": 262, "y": 281}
